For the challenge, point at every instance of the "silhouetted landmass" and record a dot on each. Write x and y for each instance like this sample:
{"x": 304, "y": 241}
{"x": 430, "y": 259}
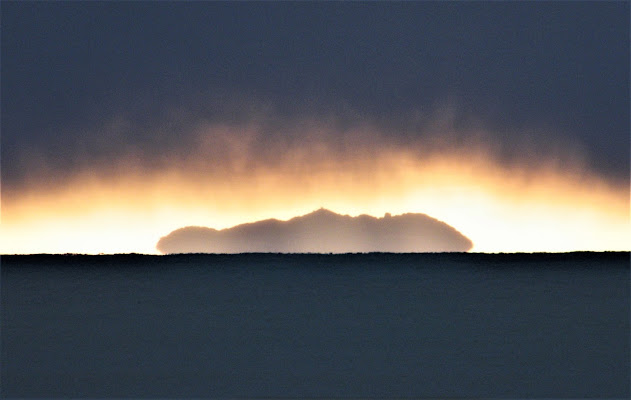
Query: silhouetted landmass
{"x": 322, "y": 231}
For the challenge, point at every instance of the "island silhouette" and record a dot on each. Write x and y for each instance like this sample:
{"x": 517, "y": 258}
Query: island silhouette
{"x": 322, "y": 231}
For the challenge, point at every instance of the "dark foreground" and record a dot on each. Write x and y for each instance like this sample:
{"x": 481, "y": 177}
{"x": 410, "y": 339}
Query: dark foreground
{"x": 268, "y": 325}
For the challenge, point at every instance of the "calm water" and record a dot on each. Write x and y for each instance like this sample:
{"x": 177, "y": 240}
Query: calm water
{"x": 375, "y": 325}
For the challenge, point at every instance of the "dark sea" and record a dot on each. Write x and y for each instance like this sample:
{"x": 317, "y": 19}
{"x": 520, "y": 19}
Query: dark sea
{"x": 316, "y": 326}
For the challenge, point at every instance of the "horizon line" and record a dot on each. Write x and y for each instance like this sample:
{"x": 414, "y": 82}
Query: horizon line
{"x": 316, "y": 253}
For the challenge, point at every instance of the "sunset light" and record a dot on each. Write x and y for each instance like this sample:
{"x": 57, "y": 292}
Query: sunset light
{"x": 500, "y": 210}
{"x": 315, "y": 199}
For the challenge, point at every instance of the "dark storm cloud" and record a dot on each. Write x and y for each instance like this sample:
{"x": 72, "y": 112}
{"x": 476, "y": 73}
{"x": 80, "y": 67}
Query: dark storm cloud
{"x": 88, "y": 85}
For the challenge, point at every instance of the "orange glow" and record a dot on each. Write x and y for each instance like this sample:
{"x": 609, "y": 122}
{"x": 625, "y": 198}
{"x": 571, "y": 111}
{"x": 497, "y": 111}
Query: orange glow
{"x": 500, "y": 210}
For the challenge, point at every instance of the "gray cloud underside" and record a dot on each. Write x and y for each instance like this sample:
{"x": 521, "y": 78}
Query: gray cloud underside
{"x": 242, "y": 138}
{"x": 93, "y": 86}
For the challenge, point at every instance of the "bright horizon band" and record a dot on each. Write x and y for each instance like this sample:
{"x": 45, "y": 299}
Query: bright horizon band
{"x": 499, "y": 209}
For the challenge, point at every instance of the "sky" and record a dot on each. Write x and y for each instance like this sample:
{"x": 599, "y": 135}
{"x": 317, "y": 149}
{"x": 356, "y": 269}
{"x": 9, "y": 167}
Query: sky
{"x": 123, "y": 121}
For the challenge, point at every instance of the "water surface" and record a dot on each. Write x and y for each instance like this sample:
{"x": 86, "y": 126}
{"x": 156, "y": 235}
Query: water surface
{"x": 268, "y": 325}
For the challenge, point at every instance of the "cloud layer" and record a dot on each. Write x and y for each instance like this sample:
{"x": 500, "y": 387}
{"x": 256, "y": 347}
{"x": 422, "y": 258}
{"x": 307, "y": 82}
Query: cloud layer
{"x": 122, "y": 121}
{"x": 220, "y": 83}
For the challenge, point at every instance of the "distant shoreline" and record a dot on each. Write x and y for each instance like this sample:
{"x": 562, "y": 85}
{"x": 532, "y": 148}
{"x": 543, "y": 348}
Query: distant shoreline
{"x": 538, "y": 256}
